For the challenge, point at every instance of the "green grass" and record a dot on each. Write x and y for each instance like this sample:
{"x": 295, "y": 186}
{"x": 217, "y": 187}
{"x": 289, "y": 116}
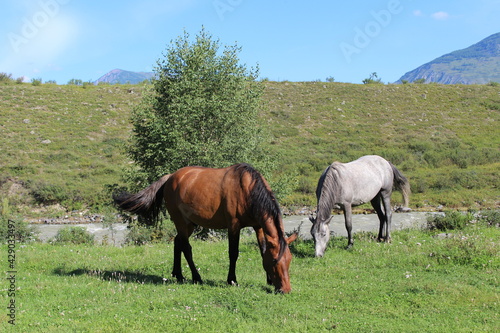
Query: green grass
{"x": 444, "y": 138}
{"x": 419, "y": 283}
{"x": 87, "y": 129}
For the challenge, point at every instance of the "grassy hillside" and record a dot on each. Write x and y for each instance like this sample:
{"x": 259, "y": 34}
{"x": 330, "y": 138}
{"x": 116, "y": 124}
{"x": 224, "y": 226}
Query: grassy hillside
{"x": 444, "y": 138}
{"x": 64, "y": 144}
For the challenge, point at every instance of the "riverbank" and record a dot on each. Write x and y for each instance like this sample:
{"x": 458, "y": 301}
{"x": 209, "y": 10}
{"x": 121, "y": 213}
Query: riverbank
{"x": 116, "y": 233}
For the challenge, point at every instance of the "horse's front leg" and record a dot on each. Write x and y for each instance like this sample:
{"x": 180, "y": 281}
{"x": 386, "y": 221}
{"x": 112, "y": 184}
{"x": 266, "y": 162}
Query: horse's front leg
{"x": 348, "y": 224}
{"x": 259, "y": 232}
{"x": 234, "y": 243}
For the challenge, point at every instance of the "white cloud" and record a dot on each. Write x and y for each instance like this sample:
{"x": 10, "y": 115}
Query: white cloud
{"x": 440, "y": 16}
{"x": 418, "y": 12}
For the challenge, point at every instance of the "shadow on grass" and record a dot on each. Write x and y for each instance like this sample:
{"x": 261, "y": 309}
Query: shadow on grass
{"x": 117, "y": 276}
{"x": 134, "y": 277}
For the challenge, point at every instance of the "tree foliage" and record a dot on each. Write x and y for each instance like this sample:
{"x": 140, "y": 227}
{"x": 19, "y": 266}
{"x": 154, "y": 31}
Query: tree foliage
{"x": 201, "y": 109}
{"x": 372, "y": 79}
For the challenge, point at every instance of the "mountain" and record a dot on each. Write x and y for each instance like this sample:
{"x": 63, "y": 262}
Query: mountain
{"x": 477, "y": 64}
{"x": 121, "y": 76}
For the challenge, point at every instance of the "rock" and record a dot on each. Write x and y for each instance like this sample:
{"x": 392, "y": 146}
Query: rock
{"x": 401, "y": 209}
{"x": 444, "y": 235}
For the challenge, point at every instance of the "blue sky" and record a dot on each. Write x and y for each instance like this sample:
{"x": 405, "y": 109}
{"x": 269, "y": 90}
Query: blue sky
{"x": 289, "y": 40}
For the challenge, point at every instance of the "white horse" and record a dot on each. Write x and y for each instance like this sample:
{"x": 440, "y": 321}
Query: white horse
{"x": 344, "y": 185}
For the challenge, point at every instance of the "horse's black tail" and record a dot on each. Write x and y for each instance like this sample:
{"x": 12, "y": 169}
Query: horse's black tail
{"x": 147, "y": 203}
{"x": 402, "y": 184}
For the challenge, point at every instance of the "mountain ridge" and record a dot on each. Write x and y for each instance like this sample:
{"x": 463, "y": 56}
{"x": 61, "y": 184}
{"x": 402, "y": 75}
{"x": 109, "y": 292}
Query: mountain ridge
{"x": 476, "y": 64}
{"x": 120, "y": 76}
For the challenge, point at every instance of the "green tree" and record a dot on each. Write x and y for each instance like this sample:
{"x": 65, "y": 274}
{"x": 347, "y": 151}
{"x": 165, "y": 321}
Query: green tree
{"x": 372, "y": 79}
{"x": 76, "y": 82}
{"x": 201, "y": 109}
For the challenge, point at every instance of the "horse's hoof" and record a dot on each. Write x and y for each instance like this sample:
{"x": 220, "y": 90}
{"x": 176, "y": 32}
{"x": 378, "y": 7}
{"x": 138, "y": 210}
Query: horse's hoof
{"x": 180, "y": 278}
{"x": 232, "y": 283}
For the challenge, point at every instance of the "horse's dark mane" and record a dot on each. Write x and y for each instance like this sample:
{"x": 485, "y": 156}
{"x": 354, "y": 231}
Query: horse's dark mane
{"x": 327, "y": 191}
{"x": 262, "y": 202}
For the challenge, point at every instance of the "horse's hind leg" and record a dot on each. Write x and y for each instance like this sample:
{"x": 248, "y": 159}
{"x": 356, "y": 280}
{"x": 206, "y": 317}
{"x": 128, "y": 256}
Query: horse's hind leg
{"x": 234, "y": 243}
{"x": 181, "y": 244}
{"x": 348, "y": 224}
{"x": 177, "y": 270}
{"x": 386, "y": 201}
{"x": 377, "y": 205}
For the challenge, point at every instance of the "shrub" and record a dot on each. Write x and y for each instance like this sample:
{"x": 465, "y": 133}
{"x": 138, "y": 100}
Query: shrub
{"x": 36, "y": 82}
{"x": 75, "y": 82}
{"x": 48, "y": 193}
{"x": 5, "y": 78}
{"x": 490, "y": 218}
{"x": 373, "y": 79}
{"x": 138, "y": 235}
{"x": 74, "y": 235}
{"x": 141, "y": 234}
{"x": 451, "y": 220}
{"x": 88, "y": 84}
{"x": 23, "y": 232}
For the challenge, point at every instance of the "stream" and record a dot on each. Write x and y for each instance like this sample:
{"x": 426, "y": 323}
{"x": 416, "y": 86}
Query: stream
{"x": 117, "y": 232}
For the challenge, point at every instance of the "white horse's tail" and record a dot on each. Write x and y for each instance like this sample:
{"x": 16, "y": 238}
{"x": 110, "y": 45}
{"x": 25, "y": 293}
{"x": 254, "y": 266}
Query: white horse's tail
{"x": 402, "y": 184}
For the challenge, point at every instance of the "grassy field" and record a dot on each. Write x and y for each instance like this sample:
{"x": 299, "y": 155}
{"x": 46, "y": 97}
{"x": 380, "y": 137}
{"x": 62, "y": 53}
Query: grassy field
{"x": 63, "y": 146}
{"x": 421, "y": 282}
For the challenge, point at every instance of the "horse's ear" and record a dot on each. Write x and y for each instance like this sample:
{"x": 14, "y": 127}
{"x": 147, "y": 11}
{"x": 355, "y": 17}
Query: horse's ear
{"x": 292, "y": 238}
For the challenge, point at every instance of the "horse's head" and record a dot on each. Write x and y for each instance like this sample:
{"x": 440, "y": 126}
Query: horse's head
{"x": 277, "y": 262}
{"x": 320, "y": 232}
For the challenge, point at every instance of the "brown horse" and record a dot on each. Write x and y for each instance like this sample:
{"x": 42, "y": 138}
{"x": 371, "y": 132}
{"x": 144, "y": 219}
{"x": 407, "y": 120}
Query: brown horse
{"x": 231, "y": 198}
